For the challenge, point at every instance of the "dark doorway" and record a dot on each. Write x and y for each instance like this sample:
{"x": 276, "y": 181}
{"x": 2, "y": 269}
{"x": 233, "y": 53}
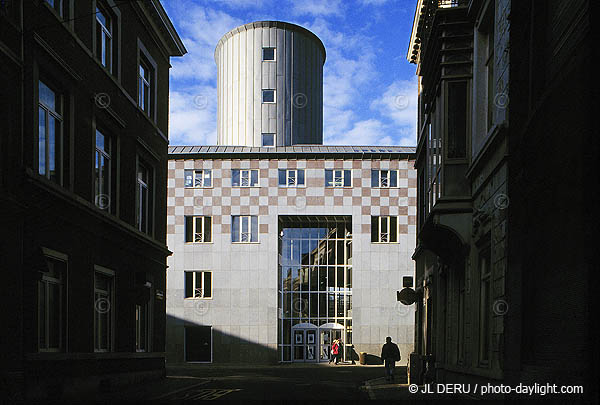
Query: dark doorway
{"x": 198, "y": 343}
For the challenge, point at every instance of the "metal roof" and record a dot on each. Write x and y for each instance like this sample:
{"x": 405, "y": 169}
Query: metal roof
{"x": 175, "y": 151}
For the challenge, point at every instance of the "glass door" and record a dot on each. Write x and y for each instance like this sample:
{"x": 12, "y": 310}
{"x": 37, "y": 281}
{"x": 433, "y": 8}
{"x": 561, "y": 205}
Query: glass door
{"x": 325, "y": 340}
{"x": 299, "y": 345}
{"x": 311, "y": 345}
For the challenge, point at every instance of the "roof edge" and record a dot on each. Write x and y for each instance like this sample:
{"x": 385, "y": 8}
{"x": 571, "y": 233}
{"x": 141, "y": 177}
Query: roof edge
{"x": 269, "y": 24}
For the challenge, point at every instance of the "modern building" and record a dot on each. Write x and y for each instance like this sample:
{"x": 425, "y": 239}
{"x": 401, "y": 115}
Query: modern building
{"x": 504, "y": 258}
{"x": 281, "y": 244}
{"x": 83, "y": 170}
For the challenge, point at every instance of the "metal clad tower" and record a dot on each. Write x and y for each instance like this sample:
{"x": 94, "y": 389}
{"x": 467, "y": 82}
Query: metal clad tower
{"x": 270, "y": 85}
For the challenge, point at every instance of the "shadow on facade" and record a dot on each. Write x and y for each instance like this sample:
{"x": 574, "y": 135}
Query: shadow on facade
{"x": 189, "y": 341}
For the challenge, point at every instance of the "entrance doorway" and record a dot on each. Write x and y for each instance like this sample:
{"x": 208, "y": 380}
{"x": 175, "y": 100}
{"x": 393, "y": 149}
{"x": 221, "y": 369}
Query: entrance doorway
{"x": 313, "y": 344}
{"x": 304, "y": 343}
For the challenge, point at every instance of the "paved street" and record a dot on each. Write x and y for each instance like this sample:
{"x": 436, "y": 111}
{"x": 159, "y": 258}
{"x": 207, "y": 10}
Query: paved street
{"x": 243, "y": 383}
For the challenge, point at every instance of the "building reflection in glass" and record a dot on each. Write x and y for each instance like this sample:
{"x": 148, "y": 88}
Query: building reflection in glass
{"x": 315, "y": 276}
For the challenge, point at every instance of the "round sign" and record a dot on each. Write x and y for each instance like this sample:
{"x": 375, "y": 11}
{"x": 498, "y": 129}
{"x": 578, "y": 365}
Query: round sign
{"x": 407, "y": 296}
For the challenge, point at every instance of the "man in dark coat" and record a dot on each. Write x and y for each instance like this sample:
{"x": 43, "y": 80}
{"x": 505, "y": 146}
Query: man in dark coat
{"x": 390, "y": 354}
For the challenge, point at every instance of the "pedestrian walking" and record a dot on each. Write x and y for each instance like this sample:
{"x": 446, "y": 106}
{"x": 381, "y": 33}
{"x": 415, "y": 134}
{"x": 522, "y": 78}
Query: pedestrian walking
{"x": 390, "y": 354}
{"x": 335, "y": 349}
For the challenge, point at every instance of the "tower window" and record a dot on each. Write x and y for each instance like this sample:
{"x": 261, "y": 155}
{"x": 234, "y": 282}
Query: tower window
{"x": 268, "y": 96}
{"x": 268, "y": 54}
{"x": 268, "y": 139}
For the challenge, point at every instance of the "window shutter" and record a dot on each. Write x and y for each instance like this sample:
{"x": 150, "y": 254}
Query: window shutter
{"x": 235, "y": 178}
{"x": 300, "y": 177}
{"x": 393, "y": 178}
{"x": 374, "y": 178}
{"x": 189, "y": 229}
{"x": 207, "y": 229}
{"x": 282, "y": 180}
{"x": 374, "y": 229}
{"x": 328, "y": 177}
{"x": 235, "y": 229}
{"x": 207, "y": 284}
{"x": 253, "y": 177}
{"x": 254, "y": 229}
{"x": 189, "y": 284}
{"x": 393, "y": 229}
{"x": 347, "y": 178}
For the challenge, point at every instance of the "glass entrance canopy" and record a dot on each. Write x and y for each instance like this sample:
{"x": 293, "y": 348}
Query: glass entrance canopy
{"x": 315, "y": 285}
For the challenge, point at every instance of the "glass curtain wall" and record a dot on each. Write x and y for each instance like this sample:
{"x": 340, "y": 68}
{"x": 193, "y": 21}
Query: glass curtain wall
{"x": 315, "y": 276}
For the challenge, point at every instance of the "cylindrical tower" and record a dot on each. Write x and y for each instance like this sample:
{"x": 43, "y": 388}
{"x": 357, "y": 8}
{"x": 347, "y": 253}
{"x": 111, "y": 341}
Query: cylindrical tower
{"x": 270, "y": 85}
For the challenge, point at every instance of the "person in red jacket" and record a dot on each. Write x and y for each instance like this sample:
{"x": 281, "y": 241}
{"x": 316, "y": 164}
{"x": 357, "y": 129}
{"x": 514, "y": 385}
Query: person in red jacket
{"x": 390, "y": 354}
{"x": 335, "y": 350}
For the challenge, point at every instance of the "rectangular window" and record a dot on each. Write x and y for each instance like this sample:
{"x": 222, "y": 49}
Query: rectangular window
{"x": 338, "y": 178}
{"x": 198, "y": 284}
{"x": 268, "y": 96}
{"x": 144, "y": 197}
{"x": 244, "y": 177}
{"x": 291, "y": 177}
{"x": 384, "y": 178}
{"x": 268, "y": 54}
{"x": 51, "y": 302}
{"x": 198, "y": 229}
{"x": 384, "y": 229}
{"x": 244, "y": 228}
{"x": 103, "y": 310}
{"x": 50, "y": 131}
{"x": 485, "y": 310}
{"x": 104, "y": 37}
{"x": 457, "y": 120}
{"x": 198, "y": 178}
{"x": 145, "y": 86}
{"x": 268, "y": 139}
{"x": 102, "y": 173}
{"x": 489, "y": 64}
{"x": 141, "y": 328}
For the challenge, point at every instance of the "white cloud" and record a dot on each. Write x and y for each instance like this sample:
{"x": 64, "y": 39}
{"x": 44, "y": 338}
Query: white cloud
{"x": 193, "y": 116}
{"x": 366, "y": 132}
{"x": 200, "y": 29}
{"x": 317, "y": 7}
{"x": 398, "y": 104}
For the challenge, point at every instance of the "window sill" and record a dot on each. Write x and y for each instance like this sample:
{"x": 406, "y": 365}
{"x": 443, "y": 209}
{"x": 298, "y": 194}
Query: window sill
{"x": 245, "y": 243}
{"x": 342, "y": 187}
{"x": 385, "y": 243}
{"x": 282, "y": 186}
{"x": 200, "y": 243}
{"x": 197, "y": 188}
{"x": 245, "y": 186}
{"x": 198, "y": 298}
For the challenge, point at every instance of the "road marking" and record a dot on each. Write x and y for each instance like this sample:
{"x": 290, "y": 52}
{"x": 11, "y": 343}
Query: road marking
{"x": 182, "y": 389}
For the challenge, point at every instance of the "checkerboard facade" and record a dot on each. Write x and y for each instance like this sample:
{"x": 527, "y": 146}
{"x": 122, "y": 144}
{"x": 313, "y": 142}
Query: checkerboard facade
{"x": 243, "y": 308}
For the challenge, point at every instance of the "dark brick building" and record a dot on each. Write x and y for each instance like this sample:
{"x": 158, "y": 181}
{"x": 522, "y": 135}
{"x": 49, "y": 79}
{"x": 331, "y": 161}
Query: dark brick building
{"x": 84, "y": 89}
{"x": 506, "y": 149}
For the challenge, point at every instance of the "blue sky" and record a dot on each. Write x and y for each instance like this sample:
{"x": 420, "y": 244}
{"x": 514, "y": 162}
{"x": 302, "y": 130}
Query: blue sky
{"x": 369, "y": 88}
